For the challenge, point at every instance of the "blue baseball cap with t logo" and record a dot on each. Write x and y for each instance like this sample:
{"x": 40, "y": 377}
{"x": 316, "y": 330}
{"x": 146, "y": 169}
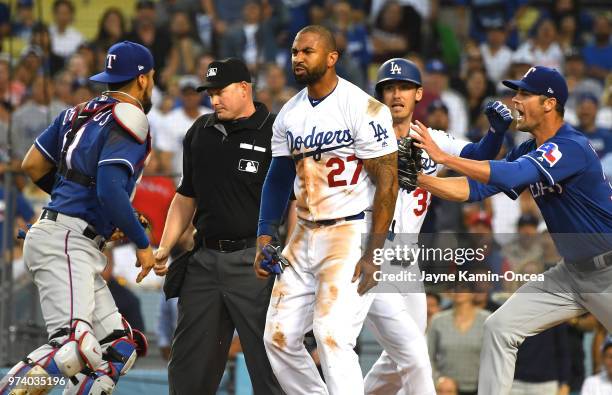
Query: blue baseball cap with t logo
{"x": 125, "y": 61}
{"x": 541, "y": 80}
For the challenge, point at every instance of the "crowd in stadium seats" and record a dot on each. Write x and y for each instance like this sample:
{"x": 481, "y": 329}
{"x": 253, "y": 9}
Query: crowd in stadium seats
{"x": 463, "y": 47}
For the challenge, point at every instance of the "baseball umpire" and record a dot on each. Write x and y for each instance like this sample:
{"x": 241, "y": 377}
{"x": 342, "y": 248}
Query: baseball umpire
{"x": 89, "y": 159}
{"x": 226, "y": 156}
{"x": 566, "y": 179}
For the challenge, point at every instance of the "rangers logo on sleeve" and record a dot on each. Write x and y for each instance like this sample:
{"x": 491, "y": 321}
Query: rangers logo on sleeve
{"x": 550, "y": 152}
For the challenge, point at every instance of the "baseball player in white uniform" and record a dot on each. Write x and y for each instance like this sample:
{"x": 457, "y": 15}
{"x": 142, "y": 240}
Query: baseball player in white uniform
{"x": 334, "y": 144}
{"x": 398, "y": 320}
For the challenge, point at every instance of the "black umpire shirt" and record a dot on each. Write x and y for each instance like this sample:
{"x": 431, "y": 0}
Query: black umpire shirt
{"x": 224, "y": 167}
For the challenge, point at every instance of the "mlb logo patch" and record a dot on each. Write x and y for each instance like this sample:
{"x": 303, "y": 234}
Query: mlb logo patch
{"x": 211, "y": 72}
{"x": 249, "y": 166}
{"x": 550, "y": 153}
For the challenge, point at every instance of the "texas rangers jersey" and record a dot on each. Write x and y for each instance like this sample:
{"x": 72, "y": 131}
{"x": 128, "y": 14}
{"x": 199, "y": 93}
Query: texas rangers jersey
{"x": 575, "y": 197}
{"x": 328, "y": 139}
{"x": 100, "y": 141}
{"x": 411, "y": 207}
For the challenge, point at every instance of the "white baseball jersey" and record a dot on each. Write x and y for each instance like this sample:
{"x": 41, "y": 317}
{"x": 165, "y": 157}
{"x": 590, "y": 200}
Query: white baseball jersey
{"x": 329, "y": 139}
{"x": 411, "y": 207}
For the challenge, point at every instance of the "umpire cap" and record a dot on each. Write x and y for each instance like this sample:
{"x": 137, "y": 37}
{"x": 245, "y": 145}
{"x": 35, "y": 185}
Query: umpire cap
{"x": 125, "y": 61}
{"x": 397, "y": 69}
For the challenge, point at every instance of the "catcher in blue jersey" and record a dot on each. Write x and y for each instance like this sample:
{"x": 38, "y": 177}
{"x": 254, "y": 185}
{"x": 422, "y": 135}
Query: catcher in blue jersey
{"x": 89, "y": 159}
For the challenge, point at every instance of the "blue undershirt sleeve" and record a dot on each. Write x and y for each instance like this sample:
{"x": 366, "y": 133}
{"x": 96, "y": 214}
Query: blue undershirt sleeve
{"x": 115, "y": 202}
{"x": 275, "y": 194}
{"x": 487, "y": 148}
{"x": 510, "y": 175}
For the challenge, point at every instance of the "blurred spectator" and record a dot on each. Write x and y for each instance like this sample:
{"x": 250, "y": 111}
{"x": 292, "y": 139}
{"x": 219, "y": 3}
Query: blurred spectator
{"x": 446, "y": 386}
{"x": 478, "y": 224}
{"x": 455, "y": 339}
{"x": 153, "y": 196}
{"x": 111, "y": 28}
{"x": 11, "y": 92}
{"x": 485, "y": 13}
{"x": 600, "y": 138}
{"x": 354, "y": 33}
{"x": 437, "y": 115}
{"x": 577, "y": 329}
{"x": 166, "y": 324}
{"x": 543, "y": 364}
{"x": 176, "y": 124}
{"x": 598, "y": 54}
{"x": 567, "y": 26}
{"x": 567, "y": 13}
{"x": 433, "y": 306}
{"x": 145, "y": 32}
{"x": 24, "y": 212}
{"x": 413, "y": 13}
{"x": 65, "y": 39}
{"x": 477, "y": 88}
{"x": 41, "y": 39}
{"x": 223, "y": 14}
{"x": 388, "y": 35}
{"x": 82, "y": 92}
{"x": 601, "y": 383}
{"x": 34, "y": 116}
{"x": 495, "y": 53}
{"x": 127, "y": 303}
{"x": 578, "y": 82}
{"x": 277, "y": 88}
{"x": 252, "y": 39}
{"x": 544, "y": 47}
{"x": 184, "y": 49}
{"x": 347, "y": 67}
{"x": 527, "y": 246}
{"x": 436, "y": 82}
{"x": 62, "y": 87}
{"x": 21, "y": 25}
{"x": 77, "y": 66}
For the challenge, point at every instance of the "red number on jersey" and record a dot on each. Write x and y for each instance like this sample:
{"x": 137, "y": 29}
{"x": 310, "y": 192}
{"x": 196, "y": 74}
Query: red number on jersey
{"x": 338, "y": 169}
{"x": 422, "y": 198}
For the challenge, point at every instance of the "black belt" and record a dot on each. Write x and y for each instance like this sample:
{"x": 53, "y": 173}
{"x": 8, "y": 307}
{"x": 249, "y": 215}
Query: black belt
{"x": 328, "y": 222}
{"x": 230, "y": 245}
{"x": 596, "y": 263}
{"x": 87, "y": 232}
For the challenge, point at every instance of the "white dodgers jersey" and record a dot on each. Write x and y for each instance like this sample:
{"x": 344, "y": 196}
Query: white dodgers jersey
{"x": 411, "y": 207}
{"x": 328, "y": 140}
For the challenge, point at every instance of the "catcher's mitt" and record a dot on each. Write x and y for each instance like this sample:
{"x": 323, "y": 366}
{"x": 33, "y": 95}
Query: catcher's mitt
{"x": 409, "y": 164}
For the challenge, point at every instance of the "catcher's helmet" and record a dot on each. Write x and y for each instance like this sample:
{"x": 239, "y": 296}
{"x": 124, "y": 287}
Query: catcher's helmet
{"x": 397, "y": 69}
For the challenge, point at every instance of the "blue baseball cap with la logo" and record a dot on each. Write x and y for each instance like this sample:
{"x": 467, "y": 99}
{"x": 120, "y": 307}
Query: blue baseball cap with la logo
{"x": 542, "y": 81}
{"x": 125, "y": 61}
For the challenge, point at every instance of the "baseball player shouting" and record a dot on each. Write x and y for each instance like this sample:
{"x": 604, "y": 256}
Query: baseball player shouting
{"x": 89, "y": 159}
{"x": 566, "y": 179}
{"x": 334, "y": 143}
{"x": 398, "y": 321}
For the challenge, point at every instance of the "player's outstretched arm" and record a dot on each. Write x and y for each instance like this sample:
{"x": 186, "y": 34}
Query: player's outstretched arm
{"x": 383, "y": 173}
{"x": 180, "y": 214}
{"x": 448, "y": 188}
{"x": 488, "y": 147}
{"x": 40, "y": 169}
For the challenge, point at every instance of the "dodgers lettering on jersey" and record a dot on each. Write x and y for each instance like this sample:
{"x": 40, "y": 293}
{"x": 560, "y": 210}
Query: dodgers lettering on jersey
{"x": 574, "y": 195}
{"x": 329, "y": 140}
{"x": 411, "y": 207}
{"x": 101, "y": 141}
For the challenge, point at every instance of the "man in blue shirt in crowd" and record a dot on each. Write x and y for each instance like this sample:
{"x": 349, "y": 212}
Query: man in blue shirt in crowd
{"x": 89, "y": 159}
{"x": 566, "y": 179}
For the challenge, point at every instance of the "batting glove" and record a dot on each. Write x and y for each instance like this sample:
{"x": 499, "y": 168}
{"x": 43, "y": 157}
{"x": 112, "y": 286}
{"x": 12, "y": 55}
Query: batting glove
{"x": 499, "y": 116}
{"x": 273, "y": 261}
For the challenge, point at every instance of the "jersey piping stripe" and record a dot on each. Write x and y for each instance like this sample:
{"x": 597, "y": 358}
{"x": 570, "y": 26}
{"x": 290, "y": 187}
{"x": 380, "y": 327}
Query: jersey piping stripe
{"x": 69, "y": 274}
{"x": 44, "y": 151}
{"x": 116, "y": 160}
{"x": 552, "y": 180}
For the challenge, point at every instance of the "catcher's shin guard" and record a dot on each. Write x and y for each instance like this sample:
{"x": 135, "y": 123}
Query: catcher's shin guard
{"x": 120, "y": 350}
{"x": 37, "y": 374}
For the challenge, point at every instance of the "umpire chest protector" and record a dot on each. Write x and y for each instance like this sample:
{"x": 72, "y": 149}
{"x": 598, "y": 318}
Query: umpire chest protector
{"x": 127, "y": 116}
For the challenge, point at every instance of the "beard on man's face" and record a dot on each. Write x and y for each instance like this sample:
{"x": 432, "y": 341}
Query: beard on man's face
{"x": 147, "y": 104}
{"x": 310, "y": 76}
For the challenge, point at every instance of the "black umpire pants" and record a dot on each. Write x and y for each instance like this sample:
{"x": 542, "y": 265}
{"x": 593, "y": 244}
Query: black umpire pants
{"x": 220, "y": 293}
